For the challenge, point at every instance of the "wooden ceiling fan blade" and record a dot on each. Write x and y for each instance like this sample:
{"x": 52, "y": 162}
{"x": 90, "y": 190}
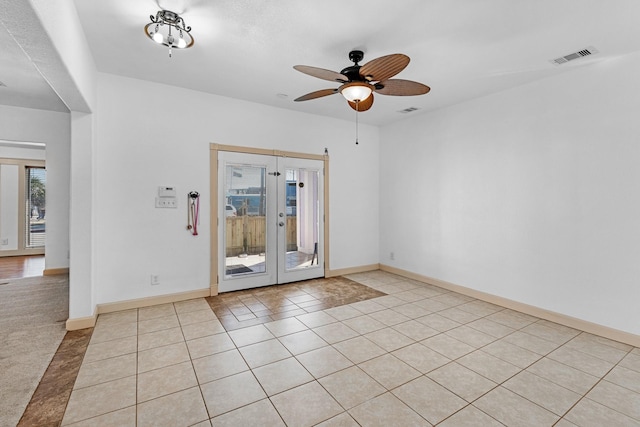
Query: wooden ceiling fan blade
{"x": 316, "y": 94}
{"x": 362, "y": 105}
{"x": 385, "y": 67}
{"x": 399, "y": 87}
{"x": 321, "y": 73}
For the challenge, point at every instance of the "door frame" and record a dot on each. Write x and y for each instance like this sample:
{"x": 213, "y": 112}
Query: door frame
{"x": 23, "y": 164}
{"x": 213, "y": 197}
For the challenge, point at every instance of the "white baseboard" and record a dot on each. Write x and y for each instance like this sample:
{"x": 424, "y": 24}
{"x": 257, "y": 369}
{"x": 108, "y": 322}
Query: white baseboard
{"x": 81, "y": 322}
{"x": 351, "y": 270}
{"x": 572, "y": 322}
{"x": 90, "y": 321}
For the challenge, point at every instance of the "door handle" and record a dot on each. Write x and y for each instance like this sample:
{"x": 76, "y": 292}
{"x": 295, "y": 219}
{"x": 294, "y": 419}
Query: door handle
{"x": 281, "y": 223}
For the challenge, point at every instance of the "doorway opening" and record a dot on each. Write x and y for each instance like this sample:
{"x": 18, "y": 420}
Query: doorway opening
{"x": 271, "y": 210}
{"x": 23, "y": 186}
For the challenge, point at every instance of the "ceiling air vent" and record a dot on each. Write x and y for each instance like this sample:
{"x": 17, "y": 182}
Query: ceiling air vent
{"x": 408, "y": 110}
{"x": 575, "y": 55}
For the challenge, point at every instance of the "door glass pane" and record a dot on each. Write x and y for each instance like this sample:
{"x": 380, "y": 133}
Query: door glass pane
{"x": 303, "y": 216}
{"x": 36, "y": 179}
{"x": 245, "y": 220}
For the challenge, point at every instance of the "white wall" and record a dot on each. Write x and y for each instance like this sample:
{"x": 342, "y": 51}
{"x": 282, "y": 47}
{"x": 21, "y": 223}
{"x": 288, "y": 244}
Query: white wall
{"x": 58, "y": 195}
{"x": 14, "y": 152}
{"x": 69, "y": 68}
{"x": 532, "y": 194}
{"x": 31, "y": 125}
{"x": 52, "y": 128}
{"x": 152, "y": 135}
{"x": 82, "y": 232}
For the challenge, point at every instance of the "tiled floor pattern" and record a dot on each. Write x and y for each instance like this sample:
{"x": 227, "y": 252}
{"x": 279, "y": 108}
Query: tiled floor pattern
{"x": 48, "y": 402}
{"x": 257, "y": 306}
{"x": 419, "y": 356}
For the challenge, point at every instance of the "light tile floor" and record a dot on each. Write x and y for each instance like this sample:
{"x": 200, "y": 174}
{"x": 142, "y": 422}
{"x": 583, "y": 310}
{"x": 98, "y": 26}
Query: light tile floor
{"x": 419, "y": 356}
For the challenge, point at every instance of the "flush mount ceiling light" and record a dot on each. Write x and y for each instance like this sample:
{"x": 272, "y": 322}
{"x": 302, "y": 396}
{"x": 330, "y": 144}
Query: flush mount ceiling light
{"x": 168, "y": 29}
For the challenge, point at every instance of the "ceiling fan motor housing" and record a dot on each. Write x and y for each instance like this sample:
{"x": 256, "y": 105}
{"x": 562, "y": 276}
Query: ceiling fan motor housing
{"x": 356, "y": 56}
{"x": 353, "y": 72}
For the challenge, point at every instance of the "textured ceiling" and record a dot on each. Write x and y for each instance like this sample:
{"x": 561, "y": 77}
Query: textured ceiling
{"x": 24, "y": 84}
{"x": 463, "y": 49}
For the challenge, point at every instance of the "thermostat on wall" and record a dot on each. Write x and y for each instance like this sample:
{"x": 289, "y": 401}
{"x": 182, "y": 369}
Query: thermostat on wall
{"x": 166, "y": 197}
{"x": 166, "y": 192}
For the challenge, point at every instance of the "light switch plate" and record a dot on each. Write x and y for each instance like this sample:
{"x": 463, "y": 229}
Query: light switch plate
{"x": 166, "y": 202}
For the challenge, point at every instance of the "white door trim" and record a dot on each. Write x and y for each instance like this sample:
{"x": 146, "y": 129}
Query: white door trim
{"x": 214, "y": 220}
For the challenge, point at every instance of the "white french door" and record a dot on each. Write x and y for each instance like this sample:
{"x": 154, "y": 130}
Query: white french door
{"x": 271, "y": 220}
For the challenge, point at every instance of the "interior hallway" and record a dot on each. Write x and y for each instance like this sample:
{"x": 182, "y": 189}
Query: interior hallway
{"x": 420, "y": 355}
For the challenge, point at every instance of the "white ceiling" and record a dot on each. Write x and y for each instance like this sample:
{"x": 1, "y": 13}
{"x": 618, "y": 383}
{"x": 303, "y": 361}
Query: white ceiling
{"x": 462, "y": 49}
{"x": 24, "y": 86}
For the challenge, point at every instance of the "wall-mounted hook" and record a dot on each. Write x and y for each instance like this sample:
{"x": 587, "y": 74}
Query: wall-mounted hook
{"x": 193, "y": 212}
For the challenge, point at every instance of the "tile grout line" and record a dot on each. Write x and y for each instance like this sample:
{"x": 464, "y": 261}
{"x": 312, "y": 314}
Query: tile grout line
{"x": 193, "y": 368}
{"x": 387, "y": 352}
{"x": 30, "y": 414}
{"x": 523, "y": 370}
{"x": 485, "y": 393}
{"x": 480, "y": 348}
{"x": 419, "y": 342}
{"x": 600, "y": 379}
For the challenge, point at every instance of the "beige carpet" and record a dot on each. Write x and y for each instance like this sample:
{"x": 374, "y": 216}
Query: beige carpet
{"x": 33, "y": 312}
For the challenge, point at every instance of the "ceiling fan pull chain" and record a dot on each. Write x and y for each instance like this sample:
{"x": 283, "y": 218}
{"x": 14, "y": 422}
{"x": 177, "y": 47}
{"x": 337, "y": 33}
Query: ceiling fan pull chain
{"x": 357, "y": 104}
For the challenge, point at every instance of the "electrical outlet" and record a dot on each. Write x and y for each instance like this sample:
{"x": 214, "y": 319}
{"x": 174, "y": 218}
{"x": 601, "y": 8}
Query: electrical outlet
{"x": 155, "y": 279}
{"x": 4, "y": 242}
{"x": 392, "y": 256}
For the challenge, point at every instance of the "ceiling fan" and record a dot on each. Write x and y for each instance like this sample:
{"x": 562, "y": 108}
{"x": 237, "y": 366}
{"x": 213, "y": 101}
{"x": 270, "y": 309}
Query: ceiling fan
{"x": 360, "y": 81}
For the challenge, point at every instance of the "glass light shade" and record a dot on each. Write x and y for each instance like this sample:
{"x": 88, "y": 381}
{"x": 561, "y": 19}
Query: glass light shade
{"x": 356, "y": 91}
{"x": 168, "y": 29}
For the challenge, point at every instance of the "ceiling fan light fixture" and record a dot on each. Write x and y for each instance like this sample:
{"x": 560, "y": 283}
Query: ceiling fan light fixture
{"x": 181, "y": 41}
{"x": 164, "y": 27}
{"x": 356, "y": 91}
{"x": 158, "y": 37}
